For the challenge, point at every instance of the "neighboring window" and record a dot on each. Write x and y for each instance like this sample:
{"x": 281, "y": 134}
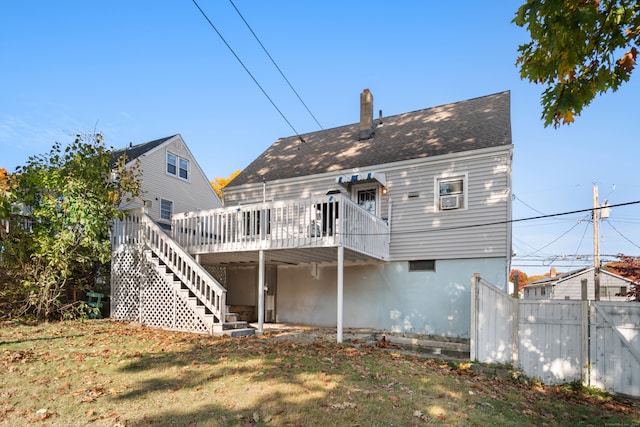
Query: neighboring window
{"x": 166, "y": 209}
{"x": 172, "y": 162}
{"x": 366, "y": 198}
{"x": 422, "y": 265}
{"x": 543, "y": 291}
{"x": 184, "y": 169}
{"x": 177, "y": 166}
{"x": 623, "y": 289}
{"x": 450, "y": 193}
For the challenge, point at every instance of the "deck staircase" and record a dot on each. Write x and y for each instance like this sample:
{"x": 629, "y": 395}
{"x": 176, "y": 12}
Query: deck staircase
{"x": 174, "y": 291}
{"x": 230, "y": 326}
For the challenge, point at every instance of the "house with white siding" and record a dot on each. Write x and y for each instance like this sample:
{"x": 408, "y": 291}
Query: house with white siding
{"x": 171, "y": 179}
{"x": 377, "y": 224}
{"x": 568, "y": 286}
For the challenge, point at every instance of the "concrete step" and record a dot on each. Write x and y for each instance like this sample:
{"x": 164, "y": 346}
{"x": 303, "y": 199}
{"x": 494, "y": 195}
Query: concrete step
{"x": 426, "y": 346}
{"x": 234, "y": 325}
{"x": 244, "y": 332}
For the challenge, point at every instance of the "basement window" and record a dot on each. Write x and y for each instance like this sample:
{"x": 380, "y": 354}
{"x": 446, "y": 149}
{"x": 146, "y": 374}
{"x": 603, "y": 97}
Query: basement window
{"x": 422, "y": 265}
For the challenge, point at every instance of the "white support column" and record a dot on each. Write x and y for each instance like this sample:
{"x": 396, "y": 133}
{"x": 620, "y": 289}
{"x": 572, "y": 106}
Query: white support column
{"x": 340, "y": 290}
{"x": 261, "y": 291}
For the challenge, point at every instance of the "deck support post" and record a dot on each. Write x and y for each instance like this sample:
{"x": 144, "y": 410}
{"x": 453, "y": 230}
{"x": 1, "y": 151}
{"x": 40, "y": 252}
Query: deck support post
{"x": 340, "y": 291}
{"x": 261, "y": 291}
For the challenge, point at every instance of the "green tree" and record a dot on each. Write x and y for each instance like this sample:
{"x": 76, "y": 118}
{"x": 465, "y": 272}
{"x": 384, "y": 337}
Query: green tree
{"x": 578, "y": 49}
{"x": 60, "y": 208}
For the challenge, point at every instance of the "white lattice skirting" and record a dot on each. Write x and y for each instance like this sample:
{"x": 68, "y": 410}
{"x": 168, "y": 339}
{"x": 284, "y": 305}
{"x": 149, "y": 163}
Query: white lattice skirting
{"x": 140, "y": 293}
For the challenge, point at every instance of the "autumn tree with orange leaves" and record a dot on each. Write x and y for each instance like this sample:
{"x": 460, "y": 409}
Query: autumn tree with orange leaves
{"x": 579, "y": 49}
{"x": 629, "y": 268}
{"x": 520, "y": 277}
{"x": 219, "y": 183}
{"x": 4, "y": 180}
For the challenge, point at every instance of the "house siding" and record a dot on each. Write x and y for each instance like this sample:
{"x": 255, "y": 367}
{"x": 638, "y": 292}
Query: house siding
{"x": 417, "y": 230}
{"x": 572, "y": 287}
{"x": 193, "y": 194}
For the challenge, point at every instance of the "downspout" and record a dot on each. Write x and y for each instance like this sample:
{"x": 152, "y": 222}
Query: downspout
{"x": 389, "y": 208}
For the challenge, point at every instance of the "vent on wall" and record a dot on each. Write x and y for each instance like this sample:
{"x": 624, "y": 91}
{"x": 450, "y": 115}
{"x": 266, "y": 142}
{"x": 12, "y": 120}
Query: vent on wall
{"x": 414, "y": 194}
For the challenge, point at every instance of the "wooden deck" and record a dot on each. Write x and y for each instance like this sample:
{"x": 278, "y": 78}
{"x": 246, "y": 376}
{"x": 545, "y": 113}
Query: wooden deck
{"x": 291, "y": 231}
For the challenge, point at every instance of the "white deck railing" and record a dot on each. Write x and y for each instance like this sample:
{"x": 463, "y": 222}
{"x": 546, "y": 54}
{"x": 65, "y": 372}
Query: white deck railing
{"x": 138, "y": 228}
{"x": 331, "y": 220}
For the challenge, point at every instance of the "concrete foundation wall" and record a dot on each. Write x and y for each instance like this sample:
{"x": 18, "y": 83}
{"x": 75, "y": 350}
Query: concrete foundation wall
{"x": 386, "y": 296}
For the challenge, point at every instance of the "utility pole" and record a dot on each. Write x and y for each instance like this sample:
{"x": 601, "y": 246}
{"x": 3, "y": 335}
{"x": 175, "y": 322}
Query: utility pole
{"x": 596, "y": 245}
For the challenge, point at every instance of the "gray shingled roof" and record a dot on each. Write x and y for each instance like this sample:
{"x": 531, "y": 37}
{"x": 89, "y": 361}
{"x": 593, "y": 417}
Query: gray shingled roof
{"x": 462, "y": 126}
{"x": 136, "y": 151}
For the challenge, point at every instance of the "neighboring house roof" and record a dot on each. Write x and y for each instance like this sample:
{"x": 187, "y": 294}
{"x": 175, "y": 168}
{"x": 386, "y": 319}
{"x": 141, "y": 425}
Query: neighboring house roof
{"x": 134, "y": 151}
{"x": 565, "y": 276}
{"x": 557, "y": 278}
{"x": 461, "y": 126}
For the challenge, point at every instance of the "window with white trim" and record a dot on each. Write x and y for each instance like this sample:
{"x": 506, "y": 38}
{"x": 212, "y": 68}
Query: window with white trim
{"x": 166, "y": 209}
{"x": 367, "y": 199}
{"x": 450, "y": 192}
{"x": 177, "y": 166}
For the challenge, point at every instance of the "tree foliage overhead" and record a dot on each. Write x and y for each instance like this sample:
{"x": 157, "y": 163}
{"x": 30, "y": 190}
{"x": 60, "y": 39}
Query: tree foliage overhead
{"x": 578, "y": 49}
{"x": 60, "y": 207}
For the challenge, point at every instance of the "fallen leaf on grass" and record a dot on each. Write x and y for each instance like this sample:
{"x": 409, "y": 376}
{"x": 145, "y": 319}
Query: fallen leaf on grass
{"x": 343, "y": 405}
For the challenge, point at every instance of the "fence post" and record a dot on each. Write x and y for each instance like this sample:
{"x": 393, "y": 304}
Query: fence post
{"x": 584, "y": 344}
{"x": 515, "y": 318}
{"x": 473, "y": 341}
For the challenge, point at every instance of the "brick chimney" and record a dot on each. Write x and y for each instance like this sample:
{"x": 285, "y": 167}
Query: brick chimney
{"x": 366, "y": 115}
{"x": 552, "y": 272}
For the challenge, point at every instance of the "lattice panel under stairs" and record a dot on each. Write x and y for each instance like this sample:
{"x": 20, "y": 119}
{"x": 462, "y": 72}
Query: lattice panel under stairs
{"x": 142, "y": 292}
{"x": 125, "y": 283}
{"x": 218, "y": 272}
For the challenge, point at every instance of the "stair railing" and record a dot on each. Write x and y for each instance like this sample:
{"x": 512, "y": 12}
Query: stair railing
{"x": 138, "y": 227}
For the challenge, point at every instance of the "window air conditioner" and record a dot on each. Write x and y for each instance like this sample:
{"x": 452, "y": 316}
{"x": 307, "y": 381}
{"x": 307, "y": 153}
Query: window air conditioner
{"x": 450, "y": 202}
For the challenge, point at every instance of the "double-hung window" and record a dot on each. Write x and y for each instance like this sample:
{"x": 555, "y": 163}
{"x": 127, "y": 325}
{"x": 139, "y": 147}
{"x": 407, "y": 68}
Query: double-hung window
{"x": 177, "y": 166}
{"x": 166, "y": 209}
{"x": 450, "y": 192}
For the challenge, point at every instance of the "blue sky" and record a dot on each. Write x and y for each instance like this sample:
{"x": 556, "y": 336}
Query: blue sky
{"x": 142, "y": 70}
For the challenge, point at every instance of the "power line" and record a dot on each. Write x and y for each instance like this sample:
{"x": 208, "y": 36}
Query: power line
{"x": 461, "y": 227}
{"x": 274, "y": 63}
{"x": 245, "y": 67}
{"x": 621, "y": 235}
{"x": 556, "y": 239}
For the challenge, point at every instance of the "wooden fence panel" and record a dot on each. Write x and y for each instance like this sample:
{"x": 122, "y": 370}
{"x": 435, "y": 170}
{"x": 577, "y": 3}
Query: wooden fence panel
{"x": 492, "y": 324}
{"x": 550, "y": 340}
{"x": 615, "y": 347}
{"x": 557, "y": 342}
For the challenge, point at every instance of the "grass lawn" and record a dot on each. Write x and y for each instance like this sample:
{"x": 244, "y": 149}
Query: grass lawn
{"x": 107, "y": 373}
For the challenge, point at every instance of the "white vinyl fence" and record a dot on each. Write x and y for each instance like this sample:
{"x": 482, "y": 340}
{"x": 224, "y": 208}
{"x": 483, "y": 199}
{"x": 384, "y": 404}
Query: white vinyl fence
{"x": 558, "y": 341}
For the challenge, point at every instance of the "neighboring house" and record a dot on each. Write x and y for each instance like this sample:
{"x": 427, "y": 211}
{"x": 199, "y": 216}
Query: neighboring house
{"x": 379, "y": 224}
{"x": 171, "y": 179}
{"x": 568, "y": 285}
